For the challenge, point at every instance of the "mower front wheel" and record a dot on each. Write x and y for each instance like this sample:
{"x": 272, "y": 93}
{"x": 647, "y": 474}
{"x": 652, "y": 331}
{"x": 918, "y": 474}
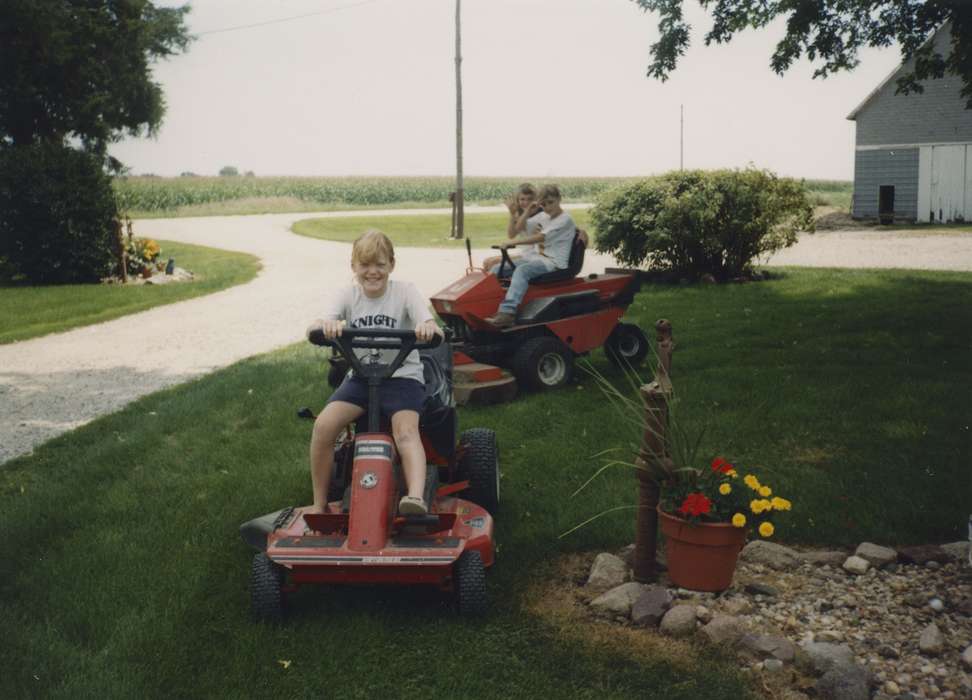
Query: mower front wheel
{"x": 543, "y": 363}
{"x": 266, "y": 589}
{"x": 627, "y": 346}
{"x": 480, "y": 464}
{"x": 470, "y": 584}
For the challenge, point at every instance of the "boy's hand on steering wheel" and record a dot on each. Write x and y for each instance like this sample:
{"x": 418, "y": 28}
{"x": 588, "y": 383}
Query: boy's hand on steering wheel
{"x": 332, "y": 329}
{"x": 424, "y": 331}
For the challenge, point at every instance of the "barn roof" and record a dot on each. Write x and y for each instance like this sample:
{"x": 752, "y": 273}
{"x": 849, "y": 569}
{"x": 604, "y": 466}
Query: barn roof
{"x": 853, "y": 115}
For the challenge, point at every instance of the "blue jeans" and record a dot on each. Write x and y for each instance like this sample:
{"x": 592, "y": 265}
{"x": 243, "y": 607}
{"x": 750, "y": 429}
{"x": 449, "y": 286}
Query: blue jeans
{"x": 526, "y": 270}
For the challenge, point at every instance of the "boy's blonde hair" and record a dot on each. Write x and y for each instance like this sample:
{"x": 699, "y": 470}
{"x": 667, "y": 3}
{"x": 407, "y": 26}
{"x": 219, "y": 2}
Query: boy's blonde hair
{"x": 549, "y": 191}
{"x": 372, "y": 246}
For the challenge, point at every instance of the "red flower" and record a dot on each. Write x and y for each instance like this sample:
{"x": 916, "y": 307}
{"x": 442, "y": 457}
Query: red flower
{"x": 721, "y": 465}
{"x": 695, "y": 504}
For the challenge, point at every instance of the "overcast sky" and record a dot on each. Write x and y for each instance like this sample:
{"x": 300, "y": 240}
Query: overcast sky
{"x": 550, "y": 88}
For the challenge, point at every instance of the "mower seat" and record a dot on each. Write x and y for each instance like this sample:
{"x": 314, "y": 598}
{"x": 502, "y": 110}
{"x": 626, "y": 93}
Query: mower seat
{"x": 439, "y": 422}
{"x": 574, "y": 265}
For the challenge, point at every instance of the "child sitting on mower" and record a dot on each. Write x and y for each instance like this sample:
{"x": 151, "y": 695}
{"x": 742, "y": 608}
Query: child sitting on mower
{"x": 524, "y": 211}
{"x": 376, "y": 302}
{"x": 554, "y": 236}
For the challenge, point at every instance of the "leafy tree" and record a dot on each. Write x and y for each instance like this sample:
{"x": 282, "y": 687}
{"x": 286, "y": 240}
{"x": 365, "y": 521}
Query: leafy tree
{"x": 831, "y": 32}
{"x": 81, "y": 69}
{"x": 229, "y": 171}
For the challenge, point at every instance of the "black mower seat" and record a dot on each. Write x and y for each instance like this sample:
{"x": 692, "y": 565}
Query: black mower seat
{"x": 439, "y": 422}
{"x": 574, "y": 265}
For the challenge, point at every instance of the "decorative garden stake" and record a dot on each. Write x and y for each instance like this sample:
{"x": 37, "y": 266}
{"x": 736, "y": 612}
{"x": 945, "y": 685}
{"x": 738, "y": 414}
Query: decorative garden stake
{"x": 654, "y": 457}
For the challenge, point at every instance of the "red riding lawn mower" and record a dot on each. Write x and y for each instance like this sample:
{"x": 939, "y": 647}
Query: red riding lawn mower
{"x": 562, "y": 316}
{"x": 360, "y": 538}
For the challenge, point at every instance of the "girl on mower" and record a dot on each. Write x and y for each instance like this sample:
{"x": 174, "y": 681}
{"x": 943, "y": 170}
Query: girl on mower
{"x": 523, "y": 208}
{"x": 374, "y": 301}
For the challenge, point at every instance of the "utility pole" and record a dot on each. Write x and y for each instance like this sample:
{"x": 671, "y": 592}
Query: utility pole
{"x": 681, "y": 137}
{"x": 458, "y": 205}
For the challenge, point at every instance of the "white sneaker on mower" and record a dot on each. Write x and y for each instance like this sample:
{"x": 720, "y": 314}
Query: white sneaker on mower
{"x": 411, "y": 505}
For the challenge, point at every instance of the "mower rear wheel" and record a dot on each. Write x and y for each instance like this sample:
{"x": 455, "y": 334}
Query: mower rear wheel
{"x": 470, "y": 584}
{"x": 627, "y": 346}
{"x": 266, "y": 589}
{"x": 480, "y": 464}
{"x": 543, "y": 363}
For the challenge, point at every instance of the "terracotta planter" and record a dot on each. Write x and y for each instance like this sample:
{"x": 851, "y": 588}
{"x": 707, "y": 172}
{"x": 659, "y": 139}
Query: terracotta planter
{"x": 701, "y": 557}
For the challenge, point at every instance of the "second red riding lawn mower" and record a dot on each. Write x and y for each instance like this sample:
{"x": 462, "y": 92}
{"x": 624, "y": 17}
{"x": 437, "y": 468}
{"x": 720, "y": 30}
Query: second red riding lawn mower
{"x": 562, "y": 317}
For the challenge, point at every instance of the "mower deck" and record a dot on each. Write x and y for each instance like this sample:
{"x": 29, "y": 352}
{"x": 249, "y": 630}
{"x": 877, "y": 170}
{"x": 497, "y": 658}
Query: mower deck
{"x": 316, "y": 548}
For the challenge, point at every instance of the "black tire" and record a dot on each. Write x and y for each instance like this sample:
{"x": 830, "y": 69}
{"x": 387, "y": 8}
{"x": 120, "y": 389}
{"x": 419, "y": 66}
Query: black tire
{"x": 470, "y": 585}
{"x": 543, "y": 363}
{"x": 266, "y": 589}
{"x": 480, "y": 464}
{"x": 627, "y": 346}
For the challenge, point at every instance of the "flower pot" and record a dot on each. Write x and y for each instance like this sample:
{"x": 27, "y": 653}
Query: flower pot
{"x": 701, "y": 556}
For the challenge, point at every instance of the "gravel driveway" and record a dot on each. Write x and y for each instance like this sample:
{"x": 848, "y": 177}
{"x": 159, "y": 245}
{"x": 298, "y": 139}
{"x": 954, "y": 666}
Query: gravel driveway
{"x": 55, "y": 383}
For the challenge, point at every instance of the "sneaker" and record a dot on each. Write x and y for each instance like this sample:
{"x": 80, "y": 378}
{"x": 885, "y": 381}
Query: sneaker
{"x": 500, "y": 320}
{"x": 412, "y": 505}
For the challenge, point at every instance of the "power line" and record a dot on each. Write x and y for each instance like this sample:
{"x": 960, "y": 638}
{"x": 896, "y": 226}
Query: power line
{"x": 286, "y": 19}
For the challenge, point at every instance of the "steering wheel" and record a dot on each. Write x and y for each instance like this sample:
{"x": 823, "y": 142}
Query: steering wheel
{"x": 370, "y": 338}
{"x": 504, "y": 253}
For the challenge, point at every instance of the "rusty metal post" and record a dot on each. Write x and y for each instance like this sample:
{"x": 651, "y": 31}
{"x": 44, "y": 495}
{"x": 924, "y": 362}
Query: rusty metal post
{"x": 654, "y": 458}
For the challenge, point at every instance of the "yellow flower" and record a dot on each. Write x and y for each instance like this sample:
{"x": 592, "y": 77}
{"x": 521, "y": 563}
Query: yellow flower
{"x": 733, "y": 473}
{"x": 739, "y": 520}
{"x": 765, "y": 491}
{"x": 766, "y": 529}
{"x": 759, "y": 505}
{"x": 751, "y": 481}
{"x": 780, "y": 503}
{"x": 725, "y": 489}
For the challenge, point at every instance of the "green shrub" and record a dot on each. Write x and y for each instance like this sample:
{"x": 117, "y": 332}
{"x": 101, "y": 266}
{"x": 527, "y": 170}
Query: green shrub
{"x": 57, "y": 212}
{"x": 692, "y": 223}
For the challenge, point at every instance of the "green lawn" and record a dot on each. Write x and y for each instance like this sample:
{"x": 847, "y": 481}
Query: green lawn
{"x": 27, "y": 312}
{"x": 425, "y": 231}
{"x": 122, "y": 574}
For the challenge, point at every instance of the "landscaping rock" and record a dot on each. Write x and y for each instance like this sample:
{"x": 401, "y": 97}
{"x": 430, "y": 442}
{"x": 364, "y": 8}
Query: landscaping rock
{"x": 773, "y": 665}
{"x": 608, "y": 571}
{"x": 619, "y": 599}
{"x": 875, "y": 555}
{"x": 724, "y": 630}
{"x": 856, "y": 565}
{"x": 758, "y": 588}
{"x": 820, "y": 657}
{"x": 829, "y": 557}
{"x": 958, "y": 551}
{"x": 922, "y": 554}
{"x": 703, "y": 614}
{"x": 931, "y": 642}
{"x": 766, "y": 646}
{"x": 738, "y": 606}
{"x": 847, "y": 682}
{"x": 967, "y": 658}
{"x": 679, "y": 621}
{"x": 773, "y": 555}
{"x": 651, "y": 606}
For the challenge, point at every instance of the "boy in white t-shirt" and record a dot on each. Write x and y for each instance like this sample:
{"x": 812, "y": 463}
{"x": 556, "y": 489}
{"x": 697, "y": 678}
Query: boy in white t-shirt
{"x": 374, "y": 301}
{"x": 554, "y": 238}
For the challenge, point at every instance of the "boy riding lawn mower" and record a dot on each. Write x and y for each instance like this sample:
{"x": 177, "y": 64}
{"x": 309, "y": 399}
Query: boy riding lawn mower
{"x": 360, "y": 538}
{"x": 562, "y": 316}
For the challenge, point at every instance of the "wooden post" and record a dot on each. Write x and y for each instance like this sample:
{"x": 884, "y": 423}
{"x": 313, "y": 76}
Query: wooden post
{"x": 460, "y": 195}
{"x": 121, "y": 251}
{"x": 654, "y": 459}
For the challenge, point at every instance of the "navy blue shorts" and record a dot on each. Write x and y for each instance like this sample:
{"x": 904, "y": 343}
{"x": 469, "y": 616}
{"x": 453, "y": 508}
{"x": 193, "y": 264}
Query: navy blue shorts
{"x": 395, "y": 394}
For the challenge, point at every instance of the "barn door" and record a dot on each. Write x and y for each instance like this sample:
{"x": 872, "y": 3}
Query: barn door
{"x": 947, "y": 197}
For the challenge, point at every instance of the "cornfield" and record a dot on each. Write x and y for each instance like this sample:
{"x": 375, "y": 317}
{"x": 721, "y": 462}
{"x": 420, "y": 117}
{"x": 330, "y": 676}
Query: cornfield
{"x": 154, "y": 194}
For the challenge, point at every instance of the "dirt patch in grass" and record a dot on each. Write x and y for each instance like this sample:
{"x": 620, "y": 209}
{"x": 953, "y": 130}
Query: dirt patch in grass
{"x": 562, "y": 602}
